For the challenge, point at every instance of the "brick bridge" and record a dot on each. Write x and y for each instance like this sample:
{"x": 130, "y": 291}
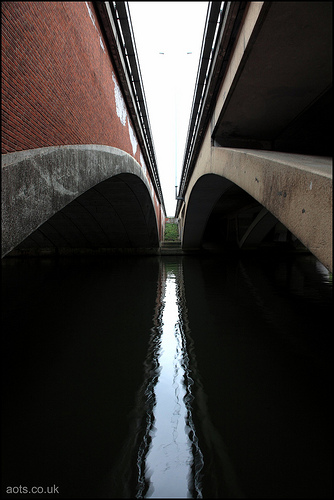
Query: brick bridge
{"x": 78, "y": 161}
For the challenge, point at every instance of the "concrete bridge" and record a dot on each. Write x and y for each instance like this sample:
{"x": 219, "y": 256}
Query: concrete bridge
{"x": 257, "y": 167}
{"x": 78, "y": 164}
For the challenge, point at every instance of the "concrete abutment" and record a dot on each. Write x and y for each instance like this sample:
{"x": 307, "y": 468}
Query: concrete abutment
{"x": 75, "y": 197}
{"x": 295, "y": 189}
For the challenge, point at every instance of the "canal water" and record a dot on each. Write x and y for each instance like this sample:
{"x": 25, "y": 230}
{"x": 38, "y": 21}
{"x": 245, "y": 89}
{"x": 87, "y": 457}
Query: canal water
{"x": 167, "y": 377}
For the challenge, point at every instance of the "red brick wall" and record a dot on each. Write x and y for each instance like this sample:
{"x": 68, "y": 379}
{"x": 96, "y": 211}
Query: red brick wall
{"x": 57, "y": 79}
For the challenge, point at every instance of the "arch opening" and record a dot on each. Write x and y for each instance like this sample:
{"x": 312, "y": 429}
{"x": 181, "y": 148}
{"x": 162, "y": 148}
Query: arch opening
{"x": 222, "y": 216}
{"x": 77, "y": 198}
{"x": 116, "y": 214}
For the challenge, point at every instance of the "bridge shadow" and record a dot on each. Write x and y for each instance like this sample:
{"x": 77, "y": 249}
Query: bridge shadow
{"x": 77, "y": 199}
{"x": 115, "y": 214}
{"x": 221, "y": 216}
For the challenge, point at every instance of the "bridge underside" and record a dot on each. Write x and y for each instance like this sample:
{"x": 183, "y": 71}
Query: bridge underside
{"x": 258, "y": 163}
{"x": 234, "y": 220}
{"x": 115, "y": 213}
{"x": 237, "y": 220}
{"x": 247, "y": 198}
{"x": 282, "y": 94}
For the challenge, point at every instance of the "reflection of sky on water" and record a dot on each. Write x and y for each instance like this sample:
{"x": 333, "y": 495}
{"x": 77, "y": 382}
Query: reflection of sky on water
{"x": 162, "y": 457}
{"x": 169, "y": 458}
{"x": 166, "y": 465}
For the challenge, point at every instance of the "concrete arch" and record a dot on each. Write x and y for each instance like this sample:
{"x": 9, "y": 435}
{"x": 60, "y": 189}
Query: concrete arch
{"x": 214, "y": 195}
{"x": 78, "y": 196}
{"x": 295, "y": 189}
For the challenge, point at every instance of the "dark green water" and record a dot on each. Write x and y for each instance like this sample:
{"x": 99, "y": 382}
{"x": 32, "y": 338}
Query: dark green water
{"x": 167, "y": 377}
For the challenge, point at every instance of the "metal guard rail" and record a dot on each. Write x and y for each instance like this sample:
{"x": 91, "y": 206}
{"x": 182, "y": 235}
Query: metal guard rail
{"x": 216, "y": 48}
{"x": 116, "y": 20}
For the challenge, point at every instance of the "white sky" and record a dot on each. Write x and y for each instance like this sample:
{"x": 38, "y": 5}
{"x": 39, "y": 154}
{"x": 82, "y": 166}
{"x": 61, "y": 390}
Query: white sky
{"x": 174, "y": 28}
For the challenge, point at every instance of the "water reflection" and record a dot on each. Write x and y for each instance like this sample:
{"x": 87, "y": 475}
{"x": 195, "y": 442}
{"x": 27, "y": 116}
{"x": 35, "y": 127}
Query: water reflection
{"x": 163, "y": 445}
{"x": 106, "y": 364}
{"x": 169, "y": 459}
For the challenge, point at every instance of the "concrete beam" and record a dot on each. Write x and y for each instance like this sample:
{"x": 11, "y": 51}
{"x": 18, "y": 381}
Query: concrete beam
{"x": 258, "y": 229}
{"x": 277, "y": 93}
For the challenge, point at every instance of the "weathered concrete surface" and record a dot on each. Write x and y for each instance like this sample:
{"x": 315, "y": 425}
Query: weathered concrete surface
{"x": 259, "y": 126}
{"x": 277, "y": 91}
{"x": 296, "y": 189}
{"x": 39, "y": 183}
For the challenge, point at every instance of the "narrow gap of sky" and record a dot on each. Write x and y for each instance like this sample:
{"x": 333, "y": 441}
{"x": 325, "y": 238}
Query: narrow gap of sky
{"x": 168, "y": 37}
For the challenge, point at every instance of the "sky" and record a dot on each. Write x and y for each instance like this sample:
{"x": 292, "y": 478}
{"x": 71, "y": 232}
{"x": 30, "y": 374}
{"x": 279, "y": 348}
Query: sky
{"x": 175, "y": 29}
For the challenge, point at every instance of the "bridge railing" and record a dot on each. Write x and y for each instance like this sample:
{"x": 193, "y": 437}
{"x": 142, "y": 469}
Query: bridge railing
{"x": 116, "y": 20}
{"x": 221, "y": 25}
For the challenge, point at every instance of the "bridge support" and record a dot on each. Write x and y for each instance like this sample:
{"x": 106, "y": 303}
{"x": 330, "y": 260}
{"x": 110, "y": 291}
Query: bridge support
{"x": 77, "y": 196}
{"x": 295, "y": 189}
{"x": 260, "y": 226}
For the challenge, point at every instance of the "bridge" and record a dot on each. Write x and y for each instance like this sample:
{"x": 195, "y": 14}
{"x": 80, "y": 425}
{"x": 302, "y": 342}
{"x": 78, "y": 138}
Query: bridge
{"x": 79, "y": 171}
{"x": 257, "y": 168}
